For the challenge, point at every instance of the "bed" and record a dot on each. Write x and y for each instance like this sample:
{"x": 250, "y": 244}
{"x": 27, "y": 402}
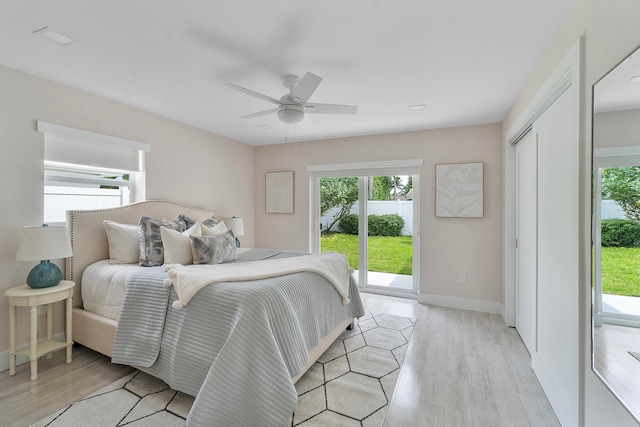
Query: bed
{"x": 221, "y": 395}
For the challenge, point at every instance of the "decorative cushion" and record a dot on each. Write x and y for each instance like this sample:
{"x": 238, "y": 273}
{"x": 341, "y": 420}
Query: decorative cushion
{"x": 209, "y": 222}
{"x": 123, "y": 242}
{"x": 177, "y": 246}
{"x": 214, "y": 249}
{"x": 150, "y": 244}
{"x": 219, "y": 228}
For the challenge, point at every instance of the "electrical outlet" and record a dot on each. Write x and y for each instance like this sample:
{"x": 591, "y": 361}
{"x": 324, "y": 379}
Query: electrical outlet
{"x": 462, "y": 277}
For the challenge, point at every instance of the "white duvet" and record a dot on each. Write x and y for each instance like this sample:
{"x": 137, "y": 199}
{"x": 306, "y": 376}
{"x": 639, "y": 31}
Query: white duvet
{"x": 104, "y": 286}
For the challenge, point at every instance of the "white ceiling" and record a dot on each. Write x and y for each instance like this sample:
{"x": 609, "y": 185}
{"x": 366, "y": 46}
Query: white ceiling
{"x": 466, "y": 60}
{"x": 616, "y": 91}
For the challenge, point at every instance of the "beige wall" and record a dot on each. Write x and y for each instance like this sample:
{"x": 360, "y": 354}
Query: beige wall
{"x": 616, "y": 129}
{"x": 187, "y": 165}
{"x": 448, "y": 245}
{"x": 611, "y": 31}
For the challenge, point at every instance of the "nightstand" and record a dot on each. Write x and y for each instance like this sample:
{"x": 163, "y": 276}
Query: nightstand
{"x": 24, "y": 296}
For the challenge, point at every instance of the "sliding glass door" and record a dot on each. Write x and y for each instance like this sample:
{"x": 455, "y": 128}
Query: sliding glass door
{"x": 371, "y": 219}
{"x": 389, "y": 239}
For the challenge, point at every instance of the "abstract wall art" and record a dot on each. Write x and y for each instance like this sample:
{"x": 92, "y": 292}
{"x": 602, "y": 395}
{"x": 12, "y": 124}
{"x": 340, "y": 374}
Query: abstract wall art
{"x": 459, "y": 190}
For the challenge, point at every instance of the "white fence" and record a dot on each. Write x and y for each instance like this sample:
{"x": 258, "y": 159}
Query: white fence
{"x": 58, "y": 200}
{"x": 403, "y": 208}
{"x": 611, "y": 209}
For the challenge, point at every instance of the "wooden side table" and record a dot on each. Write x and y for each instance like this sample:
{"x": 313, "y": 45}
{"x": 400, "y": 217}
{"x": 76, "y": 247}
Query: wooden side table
{"x": 25, "y": 296}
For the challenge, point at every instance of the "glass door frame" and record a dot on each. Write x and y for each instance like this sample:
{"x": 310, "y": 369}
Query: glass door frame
{"x": 362, "y": 171}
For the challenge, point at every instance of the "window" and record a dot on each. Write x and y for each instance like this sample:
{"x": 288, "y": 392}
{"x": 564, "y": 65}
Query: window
{"x": 87, "y": 170}
{"x": 68, "y": 186}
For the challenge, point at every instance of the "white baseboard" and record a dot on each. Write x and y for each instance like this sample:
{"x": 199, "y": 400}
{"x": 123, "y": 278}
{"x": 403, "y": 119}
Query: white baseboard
{"x": 462, "y": 303}
{"x": 22, "y": 359}
{"x": 388, "y": 292}
{"x": 620, "y": 320}
{"x": 562, "y": 406}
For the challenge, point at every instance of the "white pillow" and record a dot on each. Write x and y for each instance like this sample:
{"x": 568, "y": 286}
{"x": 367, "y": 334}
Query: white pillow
{"x": 216, "y": 230}
{"x": 123, "y": 242}
{"x": 177, "y": 246}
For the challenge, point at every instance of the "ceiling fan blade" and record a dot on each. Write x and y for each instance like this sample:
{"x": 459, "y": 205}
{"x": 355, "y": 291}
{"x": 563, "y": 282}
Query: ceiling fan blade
{"x": 305, "y": 87}
{"x": 330, "y": 109}
{"x": 252, "y": 93}
{"x": 259, "y": 114}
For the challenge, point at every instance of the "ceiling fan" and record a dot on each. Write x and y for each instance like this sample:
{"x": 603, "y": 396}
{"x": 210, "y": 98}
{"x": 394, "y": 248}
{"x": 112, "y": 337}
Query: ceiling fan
{"x": 292, "y": 107}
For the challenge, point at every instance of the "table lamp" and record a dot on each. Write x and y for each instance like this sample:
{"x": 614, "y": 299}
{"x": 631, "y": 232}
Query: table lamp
{"x": 235, "y": 224}
{"x": 43, "y": 244}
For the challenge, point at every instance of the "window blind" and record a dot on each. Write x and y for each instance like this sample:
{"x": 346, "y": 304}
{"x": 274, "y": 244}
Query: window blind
{"x": 79, "y": 147}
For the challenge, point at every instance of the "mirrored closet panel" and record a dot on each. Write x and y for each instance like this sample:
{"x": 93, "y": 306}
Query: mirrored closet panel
{"x": 616, "y": 231}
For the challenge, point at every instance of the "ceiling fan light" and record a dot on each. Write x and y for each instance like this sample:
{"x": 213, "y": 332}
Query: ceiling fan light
{"x": 290, "y": 114}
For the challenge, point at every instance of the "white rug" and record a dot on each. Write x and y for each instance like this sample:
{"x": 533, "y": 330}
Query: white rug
{"x": 350, "y": 385}
{"x": 635, "y": 354}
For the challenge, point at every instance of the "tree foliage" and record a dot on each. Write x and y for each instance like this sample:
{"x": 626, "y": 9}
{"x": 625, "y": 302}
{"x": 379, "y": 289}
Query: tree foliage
{"x": 380, "y": 188}
{"x": 386, "y": 187}
{"x": 622, "y": 185}
{"x": 341, "y": 193}
{"x": 407, "y": 187}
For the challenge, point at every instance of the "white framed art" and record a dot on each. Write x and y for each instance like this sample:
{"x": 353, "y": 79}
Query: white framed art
{"x": 279, "y": 192}
{"x": 459, "y": 190}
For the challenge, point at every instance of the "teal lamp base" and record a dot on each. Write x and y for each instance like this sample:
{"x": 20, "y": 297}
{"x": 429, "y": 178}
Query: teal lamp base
{"x": 44, "y": 275}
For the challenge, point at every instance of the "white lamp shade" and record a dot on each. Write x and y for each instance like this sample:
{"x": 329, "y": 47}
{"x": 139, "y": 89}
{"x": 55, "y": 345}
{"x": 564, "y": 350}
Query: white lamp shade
{"x": 236, "y": 224}
{"x": 39, "y": 243}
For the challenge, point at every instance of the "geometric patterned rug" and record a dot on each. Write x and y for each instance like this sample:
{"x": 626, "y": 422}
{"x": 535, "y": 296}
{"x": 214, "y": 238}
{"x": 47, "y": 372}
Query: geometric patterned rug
{"x": 350, "y": 385}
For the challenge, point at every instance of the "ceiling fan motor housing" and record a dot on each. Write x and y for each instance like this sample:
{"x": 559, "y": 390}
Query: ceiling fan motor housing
{"x": 292, "y": 107}
{"x": 290, "y": 113}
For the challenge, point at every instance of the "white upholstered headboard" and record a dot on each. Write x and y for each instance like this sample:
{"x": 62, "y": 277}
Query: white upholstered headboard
{"x": 89, "y": 238}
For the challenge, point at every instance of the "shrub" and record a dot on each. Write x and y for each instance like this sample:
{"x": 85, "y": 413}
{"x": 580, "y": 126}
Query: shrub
{"x": 379, "y": 225}
{"x": 385, "y": 225}
{"x": 620, "y": 233}
{"x": 348, "y": 224}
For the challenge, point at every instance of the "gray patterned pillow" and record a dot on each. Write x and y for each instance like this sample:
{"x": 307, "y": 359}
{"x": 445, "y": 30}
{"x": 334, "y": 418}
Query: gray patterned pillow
{"x": 151, "y": 249}
{"x": 209, "y": 222}
{"x": 214, "y": 249}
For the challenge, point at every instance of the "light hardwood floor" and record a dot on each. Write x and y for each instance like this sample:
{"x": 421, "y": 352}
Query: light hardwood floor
{"x": 613, "y": 362}
{"x": 462, "y": 369}
{"x": 23, "y": 402}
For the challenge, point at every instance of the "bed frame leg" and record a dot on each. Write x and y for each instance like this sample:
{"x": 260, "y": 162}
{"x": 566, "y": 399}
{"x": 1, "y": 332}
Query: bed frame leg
{"x": 351, "y": 325}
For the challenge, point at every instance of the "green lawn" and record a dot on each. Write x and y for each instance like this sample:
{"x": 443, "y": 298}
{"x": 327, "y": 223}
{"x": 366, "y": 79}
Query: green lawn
{"x": 386, "y": 254}
{"x": 620, "y": 266}
{"x": 621, "y": 271}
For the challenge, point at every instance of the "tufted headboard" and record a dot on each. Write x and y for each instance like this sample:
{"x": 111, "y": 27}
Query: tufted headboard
{"x": 89, "y": 238}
